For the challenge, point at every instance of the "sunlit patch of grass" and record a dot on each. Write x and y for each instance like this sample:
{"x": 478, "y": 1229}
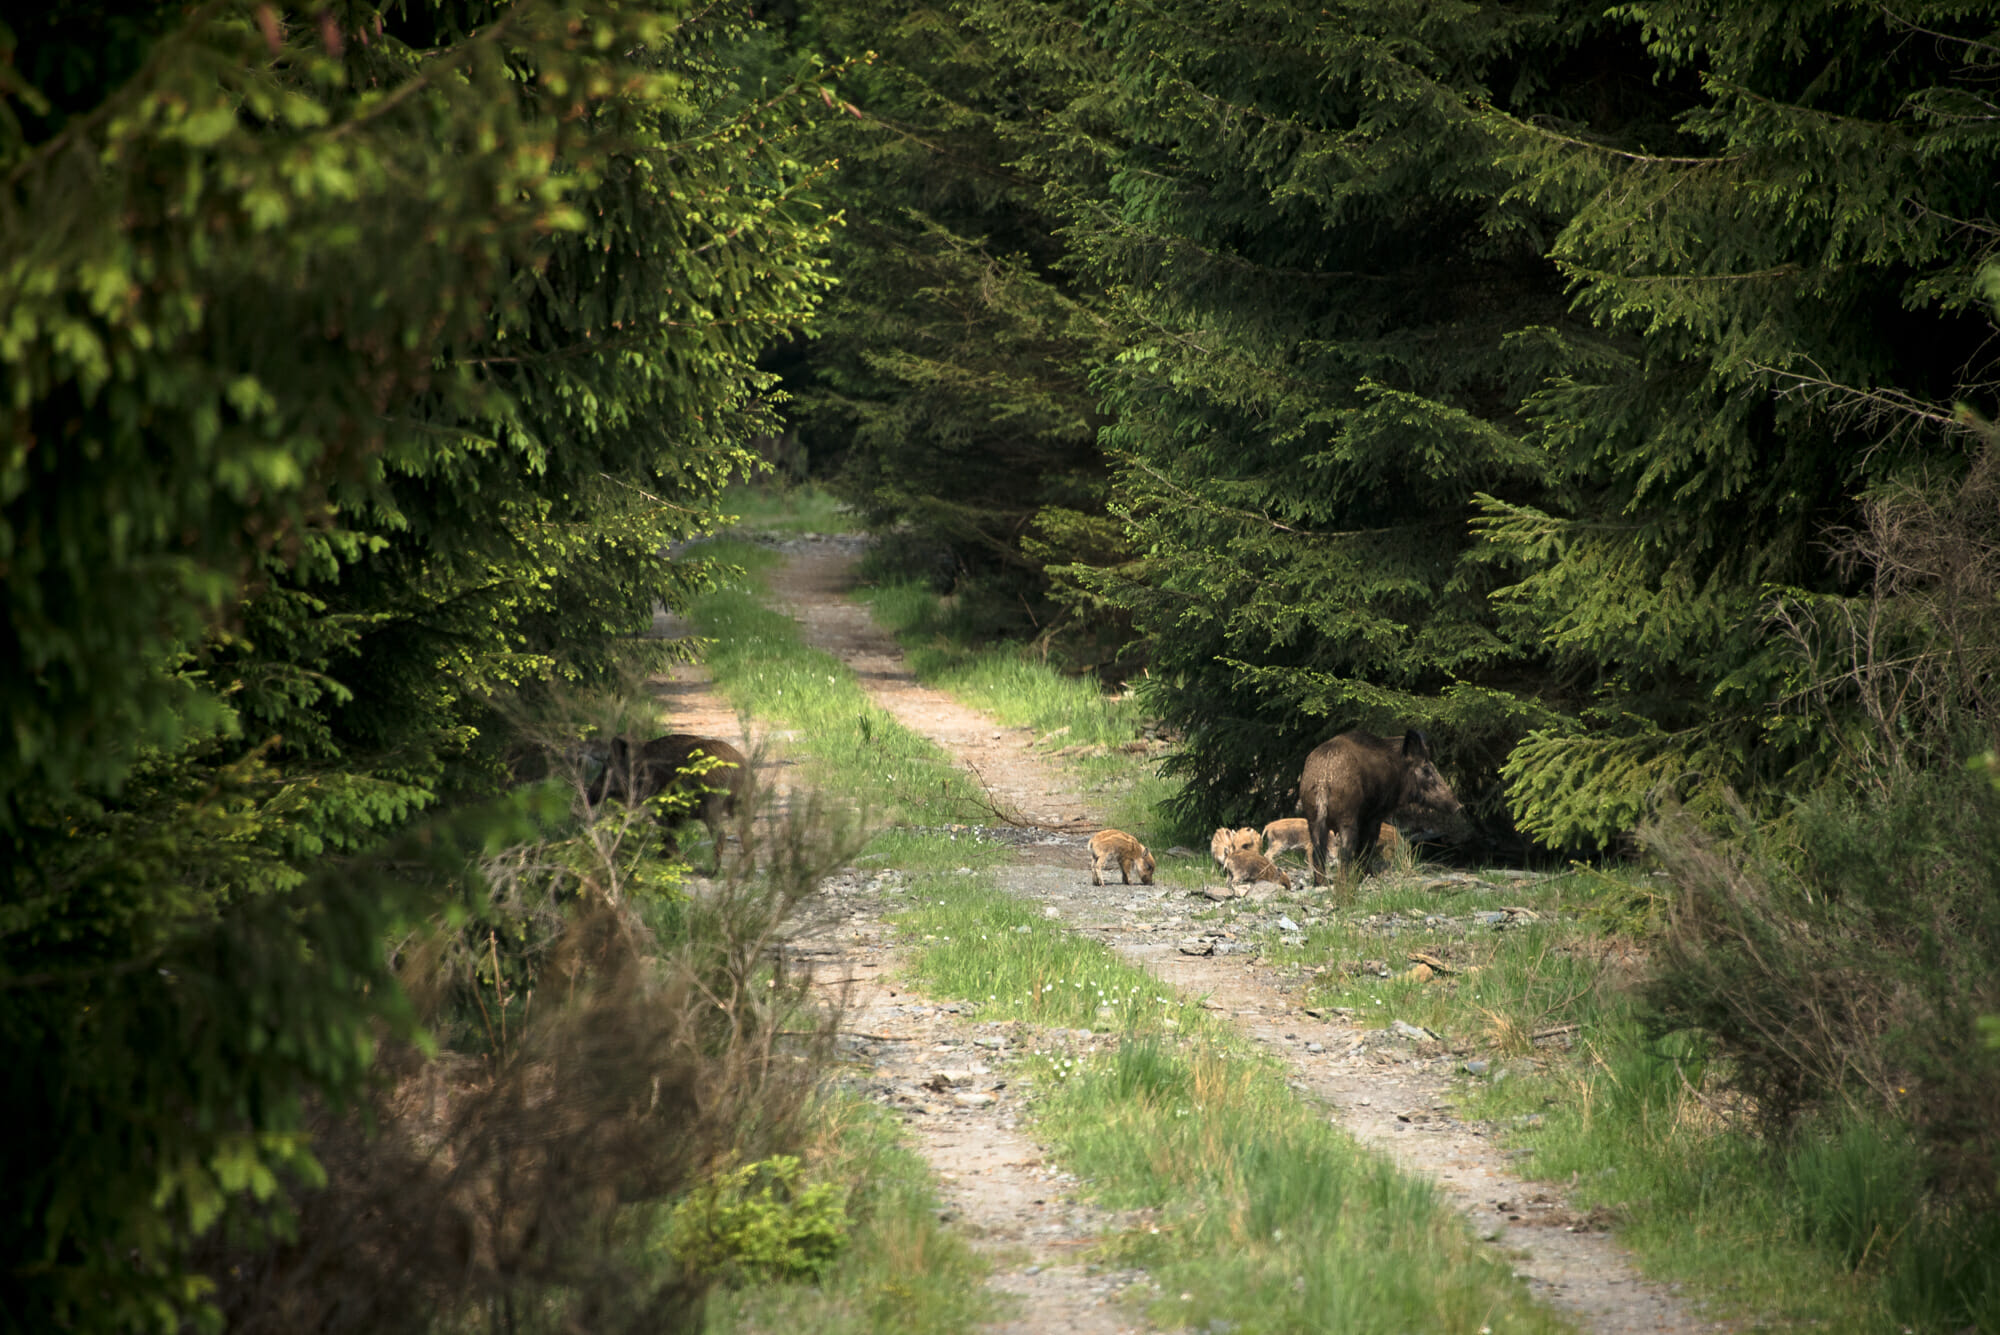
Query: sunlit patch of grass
{"x": 1508, "y": 974}
{"x": 1006, "y": 680}
{"x": 921, "y": 851}
{"x": 806, "y": 508}
{"x": 1266, "y": 1215}
{"x": 731, "y": 555}
{"x": 970, "y": 941}
{"x": 855, "y": 748}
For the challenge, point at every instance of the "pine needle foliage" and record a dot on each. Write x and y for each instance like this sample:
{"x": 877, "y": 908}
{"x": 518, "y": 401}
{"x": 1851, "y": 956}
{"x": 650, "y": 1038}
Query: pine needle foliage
{"x": 1498, "y": 369}
{"x": 951, "y": 378}
{"x": 359, "y": 363}
{"x": 1330, "y": 315}
{"x": 1791, "y": 277}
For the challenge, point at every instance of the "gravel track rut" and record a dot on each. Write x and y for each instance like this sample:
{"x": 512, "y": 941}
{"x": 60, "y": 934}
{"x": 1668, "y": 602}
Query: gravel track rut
{"x": 946, "y": 1072}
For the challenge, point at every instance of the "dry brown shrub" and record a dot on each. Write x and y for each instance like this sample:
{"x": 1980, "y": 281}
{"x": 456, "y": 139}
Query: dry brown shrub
{"x": 1852, "y": 980}
{"x": 520, "y": 1190}
{"x": 1916, "y": 655}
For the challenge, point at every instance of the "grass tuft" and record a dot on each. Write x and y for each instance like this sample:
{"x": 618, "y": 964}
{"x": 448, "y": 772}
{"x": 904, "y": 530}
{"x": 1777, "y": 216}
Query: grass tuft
{"x": 1265, "y": 1216}
{"x": 855, "y": 747}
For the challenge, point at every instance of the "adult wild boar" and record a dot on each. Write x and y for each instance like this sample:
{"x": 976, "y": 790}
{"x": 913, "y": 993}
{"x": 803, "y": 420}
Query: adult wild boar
{"x": 633, "y": 775}
{"x": 1292, "y": 834}
{"x": 1350, "y": 785}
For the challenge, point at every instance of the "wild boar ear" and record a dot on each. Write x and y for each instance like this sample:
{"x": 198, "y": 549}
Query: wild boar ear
{"x": 621, "y": 751}
{"x": 1416, "y": 745}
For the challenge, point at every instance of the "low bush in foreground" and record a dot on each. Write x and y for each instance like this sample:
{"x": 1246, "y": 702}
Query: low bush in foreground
{"x": 519, "y": 1180}
{"x": 900, "y": 1271}
{"x": 1850, "y": 971}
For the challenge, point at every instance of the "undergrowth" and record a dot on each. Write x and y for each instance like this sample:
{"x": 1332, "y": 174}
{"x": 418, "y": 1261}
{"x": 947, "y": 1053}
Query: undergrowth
{"x": 1829, "y": 1226}
{"x": 900, "y": 1272}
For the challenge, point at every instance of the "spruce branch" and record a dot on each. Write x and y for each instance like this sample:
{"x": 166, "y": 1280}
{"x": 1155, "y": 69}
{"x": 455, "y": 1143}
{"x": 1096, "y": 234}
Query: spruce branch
{"x": 1883, "y": 408}
{"x": 1573, "y": 141}
{"x": 1202, "y": 503}
{"x": 1971, "y": 43}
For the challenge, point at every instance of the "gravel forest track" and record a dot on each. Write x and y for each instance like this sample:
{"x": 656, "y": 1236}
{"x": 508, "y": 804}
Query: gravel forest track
{"x": 947, "y": 1073}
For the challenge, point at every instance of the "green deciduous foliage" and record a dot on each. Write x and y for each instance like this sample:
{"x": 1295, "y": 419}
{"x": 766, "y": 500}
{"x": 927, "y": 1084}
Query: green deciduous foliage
{"x": 360, "y": 363}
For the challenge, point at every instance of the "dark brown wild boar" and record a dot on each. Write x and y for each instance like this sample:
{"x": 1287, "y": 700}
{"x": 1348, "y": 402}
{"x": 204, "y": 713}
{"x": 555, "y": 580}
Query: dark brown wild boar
{"x": 1350, "y": 785}
{"x": 633, "y": 775}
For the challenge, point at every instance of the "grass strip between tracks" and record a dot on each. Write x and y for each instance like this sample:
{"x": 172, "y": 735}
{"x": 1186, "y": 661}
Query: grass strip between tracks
{"x": 1083, "y": 727}
{"x": 852, "y": 748}
{"x": 1263, "y": 1214}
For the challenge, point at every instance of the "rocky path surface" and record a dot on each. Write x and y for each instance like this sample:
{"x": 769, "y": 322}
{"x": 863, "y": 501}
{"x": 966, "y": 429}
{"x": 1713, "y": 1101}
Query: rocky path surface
{"x": 948, "y": 1073}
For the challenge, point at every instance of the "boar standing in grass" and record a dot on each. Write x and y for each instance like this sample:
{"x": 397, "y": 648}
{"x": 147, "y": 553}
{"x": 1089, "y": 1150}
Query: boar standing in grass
{"x": 1293, "y": 835}
{"x": 1350, "y": 785}
{"x": 635, "y": 774}
{"x": 1109, "y": 847}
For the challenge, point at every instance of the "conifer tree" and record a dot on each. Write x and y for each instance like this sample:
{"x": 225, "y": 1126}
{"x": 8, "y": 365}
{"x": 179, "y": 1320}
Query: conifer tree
{"x": 360, "y": 361}
{"x": 951, "y": 378}
{"x": 1493, "y": 368}
{"x": 1787, "y": 281}
{"x": 1330, "y": 312}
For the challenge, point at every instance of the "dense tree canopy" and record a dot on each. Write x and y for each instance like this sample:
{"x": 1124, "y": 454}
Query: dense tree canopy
{"x": 949, "y": 388}
{"x": 361, "y": 363}
{"x": 1522, "y": 371}
{"x": 1501, "y": 368}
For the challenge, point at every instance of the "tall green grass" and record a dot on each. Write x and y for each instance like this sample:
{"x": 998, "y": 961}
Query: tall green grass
{"x": 1268, "y": 1216}
{"x": 1827, "y": 1231}
{"x": 1830, "y": 1230}
{"x": 1263, "y": 1215}
{"x": 902, "y": 1273}
{"x": 806, "y": 508}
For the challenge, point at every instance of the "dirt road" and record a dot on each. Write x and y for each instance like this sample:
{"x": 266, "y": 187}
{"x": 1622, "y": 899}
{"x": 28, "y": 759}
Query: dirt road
{"x": 947, "y": 1072}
